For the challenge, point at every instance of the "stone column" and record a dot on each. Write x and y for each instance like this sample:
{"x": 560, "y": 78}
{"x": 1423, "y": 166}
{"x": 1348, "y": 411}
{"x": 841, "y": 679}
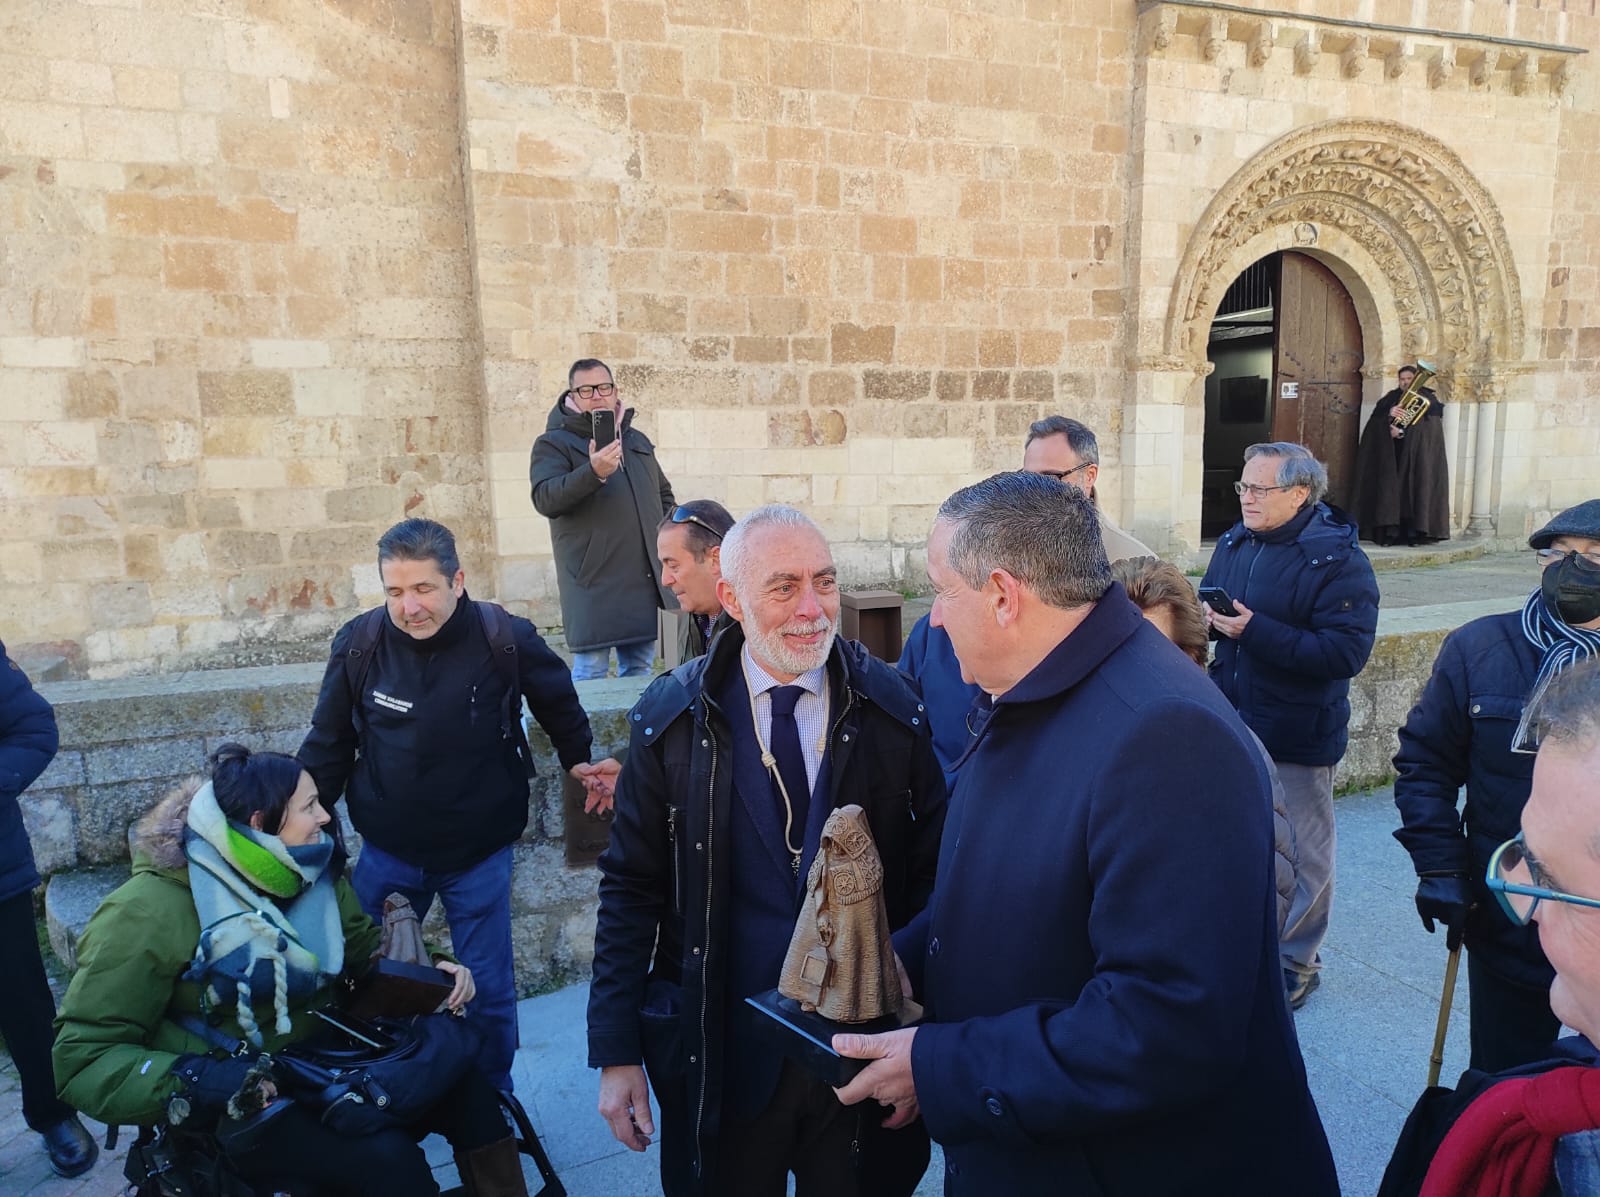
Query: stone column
{"x": 1485, "y": 394}
{"x": 1452, "y": 457}
{"x": 1162, "y": 454}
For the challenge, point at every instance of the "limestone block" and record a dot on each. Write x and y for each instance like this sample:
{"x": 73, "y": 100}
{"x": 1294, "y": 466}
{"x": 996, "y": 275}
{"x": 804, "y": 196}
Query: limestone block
{"x": 42, "y": 353}
{"x": 105, "y": 812}
{"x": 47, "y": 819}
{"x": 69, "y": 900}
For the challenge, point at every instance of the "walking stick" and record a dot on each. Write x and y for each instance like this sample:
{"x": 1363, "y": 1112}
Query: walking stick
{"x": 1436, "y": 1061}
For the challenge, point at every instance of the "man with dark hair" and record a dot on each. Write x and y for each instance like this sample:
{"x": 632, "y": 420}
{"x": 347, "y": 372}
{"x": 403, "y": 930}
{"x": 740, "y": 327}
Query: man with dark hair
{"x": 689, "y": 544}
{"x": 419, "y": 725}
{"x": 1469, "y": 728}
{"x": 603, "y": 503}
{"x": 1304, "y": 616}
{"x": 1099, "y": 966}
{"x": 1062, "y": 448}
{"x": 28, "y": 742}
{"x": 737, "y": 759}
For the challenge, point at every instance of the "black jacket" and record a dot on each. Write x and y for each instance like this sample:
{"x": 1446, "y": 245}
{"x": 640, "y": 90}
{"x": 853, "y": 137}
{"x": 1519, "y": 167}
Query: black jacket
{"x": 667, "y": 867}
{"x": 431, "y": 775}
{"x": 1459, "y": 734}
{"x": 27, "y": 745}
{"x": 603, "y": 532}
{"x": 1315, "y": 605}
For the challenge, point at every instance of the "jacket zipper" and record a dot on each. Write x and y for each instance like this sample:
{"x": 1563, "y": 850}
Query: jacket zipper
{"x": 672, "y": 859}
{"x": 1237, "y": 651}
{"x": 705, "y": 956}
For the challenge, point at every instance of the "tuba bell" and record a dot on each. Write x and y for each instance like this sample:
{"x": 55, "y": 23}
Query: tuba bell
{"x": 1413, "y": 404}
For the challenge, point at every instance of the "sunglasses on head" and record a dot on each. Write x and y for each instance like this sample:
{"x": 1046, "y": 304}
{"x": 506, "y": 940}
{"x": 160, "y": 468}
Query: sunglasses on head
{"x": 682, "y": 515}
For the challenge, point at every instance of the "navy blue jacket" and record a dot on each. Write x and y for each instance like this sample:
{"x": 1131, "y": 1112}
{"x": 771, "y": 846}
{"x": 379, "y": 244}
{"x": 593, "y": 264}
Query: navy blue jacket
{"x": 665, "y": 984}
{"x": 930, "y": 659}
{"x": 28, "y": 743}
{"x": 1459, "y": 734}
{"x": 1315, "y": 605}
{"x": 1105, "y": 1005}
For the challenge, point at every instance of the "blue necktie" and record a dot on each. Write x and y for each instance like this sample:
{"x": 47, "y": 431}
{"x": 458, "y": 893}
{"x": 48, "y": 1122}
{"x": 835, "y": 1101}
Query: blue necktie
{"x": 791, "y": 761}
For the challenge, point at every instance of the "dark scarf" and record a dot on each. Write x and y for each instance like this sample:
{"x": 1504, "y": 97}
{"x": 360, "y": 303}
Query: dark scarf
{"x": 1562, "y": 645}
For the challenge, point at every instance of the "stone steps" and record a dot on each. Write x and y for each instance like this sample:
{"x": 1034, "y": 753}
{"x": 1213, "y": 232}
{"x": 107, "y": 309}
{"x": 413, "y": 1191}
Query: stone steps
{"x": 69, "y": 900}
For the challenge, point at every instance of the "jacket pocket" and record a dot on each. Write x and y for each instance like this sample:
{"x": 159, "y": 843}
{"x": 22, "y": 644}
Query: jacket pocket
{"x": 661, "y": 1039}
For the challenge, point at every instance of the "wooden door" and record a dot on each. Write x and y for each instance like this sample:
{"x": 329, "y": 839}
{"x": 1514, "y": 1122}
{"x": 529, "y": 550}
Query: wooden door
{"x": 1317, "y": 369}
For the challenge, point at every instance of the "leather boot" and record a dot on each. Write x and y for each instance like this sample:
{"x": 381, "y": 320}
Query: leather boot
{"x": 493, "y": 1171}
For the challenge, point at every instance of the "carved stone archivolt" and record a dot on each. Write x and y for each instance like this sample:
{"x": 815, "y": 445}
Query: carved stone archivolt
{"x": 1406, "y": 199}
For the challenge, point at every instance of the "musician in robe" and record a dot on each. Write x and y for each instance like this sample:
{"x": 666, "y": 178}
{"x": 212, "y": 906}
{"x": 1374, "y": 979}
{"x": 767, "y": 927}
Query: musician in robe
{"x": 1402, "y": 478}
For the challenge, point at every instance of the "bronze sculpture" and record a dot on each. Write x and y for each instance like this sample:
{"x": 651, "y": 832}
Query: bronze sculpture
{"x": 841, "y": 961}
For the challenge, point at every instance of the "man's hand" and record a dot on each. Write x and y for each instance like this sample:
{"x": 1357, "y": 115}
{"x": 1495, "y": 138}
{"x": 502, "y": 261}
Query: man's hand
{"x": 1231, "y": 626}
{"x": 625, "y": 1105}
{"x": 600, "y": 779}
{"x": 887, "y": 1079}
{"x": 465, "y": 989}
{"x": 1444, "y": 896}
{"x": 607, "y": 461}
{"x": 1396, "y": 433}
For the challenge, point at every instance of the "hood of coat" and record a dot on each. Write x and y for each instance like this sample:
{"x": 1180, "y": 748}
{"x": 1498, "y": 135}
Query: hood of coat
{"x": 157, "y": 841}
{"x": 563, "y": 418}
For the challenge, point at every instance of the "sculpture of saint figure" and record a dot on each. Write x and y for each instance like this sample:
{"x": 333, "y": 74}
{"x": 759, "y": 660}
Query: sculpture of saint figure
{"x": 841, "y": 961}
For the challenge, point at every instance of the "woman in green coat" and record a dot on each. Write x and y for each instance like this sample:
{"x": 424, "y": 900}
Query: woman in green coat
{"x": 238, "y": 914}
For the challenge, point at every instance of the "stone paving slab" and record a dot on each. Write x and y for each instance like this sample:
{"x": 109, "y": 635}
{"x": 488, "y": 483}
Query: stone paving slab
{"x": 1366, "y": 1034}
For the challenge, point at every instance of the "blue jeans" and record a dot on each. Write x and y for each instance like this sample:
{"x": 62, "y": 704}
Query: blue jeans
{"x": 477, "y": 906}
{"x": 633, "y": 660}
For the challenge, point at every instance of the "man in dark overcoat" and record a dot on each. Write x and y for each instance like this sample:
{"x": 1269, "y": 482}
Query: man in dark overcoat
{"x": 736, "y": 760}
{"x": 1099, "y": 962}
{"x": 603, "y": 503}
{"x": 1402, "y": 475}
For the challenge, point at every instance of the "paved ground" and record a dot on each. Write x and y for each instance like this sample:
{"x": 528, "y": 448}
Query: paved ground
{"x": 1366, "y": 1035}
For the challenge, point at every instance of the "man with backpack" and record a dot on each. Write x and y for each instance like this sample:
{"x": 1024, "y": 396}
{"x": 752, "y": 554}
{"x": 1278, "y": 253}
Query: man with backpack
{"x": 419, "y": 724}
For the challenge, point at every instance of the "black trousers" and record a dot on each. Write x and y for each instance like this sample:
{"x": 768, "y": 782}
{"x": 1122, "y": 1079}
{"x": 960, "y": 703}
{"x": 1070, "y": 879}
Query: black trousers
{"x": 1511, "y": 1023}
{"x": 803, "y": 1130}
{"x": 27, "y": 1012}
{"x": 296, "y": 1149}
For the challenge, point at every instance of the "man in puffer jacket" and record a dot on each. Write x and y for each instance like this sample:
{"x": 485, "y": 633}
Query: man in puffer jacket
{"x": 1306, "y": 613}
{"x": 603, "y": 504}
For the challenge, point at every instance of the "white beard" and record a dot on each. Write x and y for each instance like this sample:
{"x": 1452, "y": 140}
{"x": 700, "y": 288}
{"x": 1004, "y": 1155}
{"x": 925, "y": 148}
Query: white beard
{"x": 772, "y": 651}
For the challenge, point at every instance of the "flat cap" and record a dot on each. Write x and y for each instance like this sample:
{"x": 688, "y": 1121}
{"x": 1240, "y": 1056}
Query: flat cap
{"x": 1582, "y": 520}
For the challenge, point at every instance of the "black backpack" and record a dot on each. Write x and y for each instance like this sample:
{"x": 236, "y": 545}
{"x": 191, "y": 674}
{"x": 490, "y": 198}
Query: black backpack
{"x": 502, "y": 646}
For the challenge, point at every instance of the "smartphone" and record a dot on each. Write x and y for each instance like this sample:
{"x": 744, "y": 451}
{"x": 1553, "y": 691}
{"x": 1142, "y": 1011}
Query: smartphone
{"x": 1217, "y": 599}
{"x": 604, "y": 424}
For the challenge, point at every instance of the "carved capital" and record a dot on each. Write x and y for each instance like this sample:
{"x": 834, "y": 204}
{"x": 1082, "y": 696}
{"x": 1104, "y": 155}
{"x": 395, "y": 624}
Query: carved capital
{"x": 1483, "y": 68}
{"x": 1561, "y": 77}
{"x": 1442, "y": 66}
{"x": 1354, "y": 59}
{"x": 1396, "y": 61}
{"x": 1522, "y": 74}
{"x": 1162, "y": 29}
{"x": 1306, "y": 51}
{"x": 1261, "y": 41}
{"x": 1215, "y": 38}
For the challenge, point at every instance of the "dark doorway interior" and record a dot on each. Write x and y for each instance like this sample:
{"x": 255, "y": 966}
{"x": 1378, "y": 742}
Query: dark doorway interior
{"x": 1285, "y": 347}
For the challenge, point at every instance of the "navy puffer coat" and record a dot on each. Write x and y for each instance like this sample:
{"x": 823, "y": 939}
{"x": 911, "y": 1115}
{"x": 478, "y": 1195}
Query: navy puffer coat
{"x": 27, "y": 745}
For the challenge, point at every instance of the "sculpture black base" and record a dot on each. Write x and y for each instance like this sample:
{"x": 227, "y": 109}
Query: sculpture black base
{"x": 807, "y": 1037}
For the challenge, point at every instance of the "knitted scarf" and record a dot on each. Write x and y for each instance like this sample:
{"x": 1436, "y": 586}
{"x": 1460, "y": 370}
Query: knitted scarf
{"x": 269, "y": 919}
{"x": 1562, "y": 645}
{"x": 1504, "y": 1143}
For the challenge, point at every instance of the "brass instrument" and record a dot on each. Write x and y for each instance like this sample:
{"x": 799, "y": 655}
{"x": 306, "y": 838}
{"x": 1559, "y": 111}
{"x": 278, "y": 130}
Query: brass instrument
{"x": 1413, "y": 404}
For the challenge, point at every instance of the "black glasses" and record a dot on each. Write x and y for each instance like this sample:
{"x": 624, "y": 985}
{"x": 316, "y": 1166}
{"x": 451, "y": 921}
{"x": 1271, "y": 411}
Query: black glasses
{"x": 1512, "y": 875}
{"x": 1063, "y": 475}
{"x": 682, "y": 515}
{"x": 1239, "y": 488}
{"x": 605, "y": 390}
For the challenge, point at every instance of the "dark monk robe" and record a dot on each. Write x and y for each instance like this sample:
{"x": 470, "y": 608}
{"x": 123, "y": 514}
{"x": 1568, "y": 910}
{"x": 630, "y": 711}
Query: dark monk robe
{"x": 1403, "y": 486}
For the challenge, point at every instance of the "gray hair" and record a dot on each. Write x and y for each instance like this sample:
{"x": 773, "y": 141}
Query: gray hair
{"x": 1045, "y": 535}
{"x": 1296, "y": 467}
{"x": 736, "y": 547}
{"x": 420, "y": 540}
{"x": 1080, "y": 438}
{"x": 1567, "y": 711}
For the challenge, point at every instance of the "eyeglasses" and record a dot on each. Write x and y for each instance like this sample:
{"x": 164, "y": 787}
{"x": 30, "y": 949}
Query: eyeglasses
{"x": 682, "y": 515}
{"x": 1511, "y": 876}
{"x": 605, "y": 390}
{"x": 1063, "y": 475}
{"x": 1550, "y": 556}
{"x": 1240, "y": 488}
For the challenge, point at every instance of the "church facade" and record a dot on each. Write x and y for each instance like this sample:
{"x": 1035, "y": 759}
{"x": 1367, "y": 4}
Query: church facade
{"x": 274, "y": 275}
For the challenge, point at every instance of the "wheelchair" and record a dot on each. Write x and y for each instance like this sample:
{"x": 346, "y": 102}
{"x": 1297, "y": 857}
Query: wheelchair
{"x": 168, "y": 1161}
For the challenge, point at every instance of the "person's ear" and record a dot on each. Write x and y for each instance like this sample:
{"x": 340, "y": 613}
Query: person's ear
{"x": 729, "y": 600}
{"x": 714, "y": 556}
{"x": 256, "y": 821}
{"x": 1004, "y": 594}
{"x": 458, "y": 584}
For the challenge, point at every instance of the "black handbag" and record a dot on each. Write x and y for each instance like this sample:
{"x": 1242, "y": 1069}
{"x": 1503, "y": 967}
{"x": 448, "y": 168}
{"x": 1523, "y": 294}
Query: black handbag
{"x": 361, "y": 1076}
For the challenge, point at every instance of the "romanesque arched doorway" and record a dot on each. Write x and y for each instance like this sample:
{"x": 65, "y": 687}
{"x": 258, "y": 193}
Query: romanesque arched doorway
{"x": 1285, "y": 351}
{"x": 1410, "y": 234}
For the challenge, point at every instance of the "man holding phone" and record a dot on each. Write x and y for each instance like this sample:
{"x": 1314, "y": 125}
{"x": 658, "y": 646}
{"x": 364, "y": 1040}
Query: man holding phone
{"x": 596, "y": 479}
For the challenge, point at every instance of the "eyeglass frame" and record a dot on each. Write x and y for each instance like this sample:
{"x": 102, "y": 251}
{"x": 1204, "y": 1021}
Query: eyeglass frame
{"x": 1063, "y": 475}
{"x": 1549, "y": 555}
{"x": 604, "y": 389}
{"x": 682, "y": 515}
{"x": 1239, "y": 488}
{"x": 1538, "y": 893}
